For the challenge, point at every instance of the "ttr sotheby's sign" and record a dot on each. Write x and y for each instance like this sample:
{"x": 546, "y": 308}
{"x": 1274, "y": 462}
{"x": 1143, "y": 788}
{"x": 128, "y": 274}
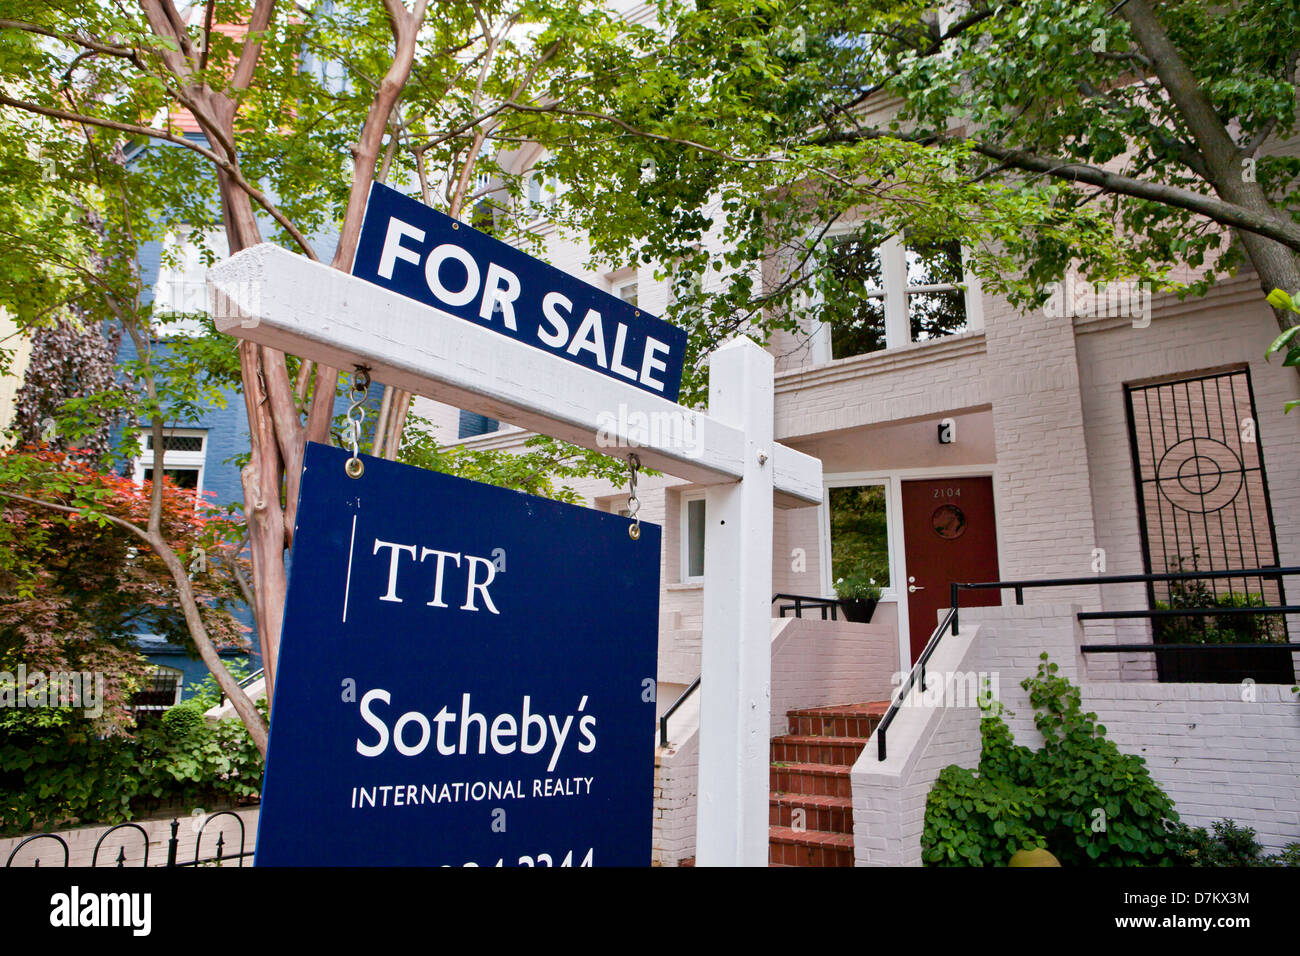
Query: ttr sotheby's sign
{"x": 466, "y": 677}
{"x": 415, "y": 251}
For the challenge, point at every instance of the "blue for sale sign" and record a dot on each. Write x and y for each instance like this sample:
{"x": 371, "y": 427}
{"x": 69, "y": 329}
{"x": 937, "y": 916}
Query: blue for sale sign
{"x": 466, "y": 677}
{"x": 420, "y": 253}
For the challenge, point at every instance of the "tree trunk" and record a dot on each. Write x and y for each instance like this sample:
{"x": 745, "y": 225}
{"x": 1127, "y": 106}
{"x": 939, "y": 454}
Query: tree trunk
{"x": 1275, "y": 264}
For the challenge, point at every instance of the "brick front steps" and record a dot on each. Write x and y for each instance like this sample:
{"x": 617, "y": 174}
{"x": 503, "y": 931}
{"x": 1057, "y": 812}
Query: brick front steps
{"x": 811, "y": 805}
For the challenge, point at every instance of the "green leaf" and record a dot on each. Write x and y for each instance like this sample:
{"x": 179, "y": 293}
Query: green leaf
{"x": 1280, "y": 342}
{"x": 1279, "y": 299}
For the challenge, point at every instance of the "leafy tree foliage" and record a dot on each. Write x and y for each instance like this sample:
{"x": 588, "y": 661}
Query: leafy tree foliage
{"x": 1126, "y": 140}
{"x": 77, "y": 586}
{"x": 68, "y": 369}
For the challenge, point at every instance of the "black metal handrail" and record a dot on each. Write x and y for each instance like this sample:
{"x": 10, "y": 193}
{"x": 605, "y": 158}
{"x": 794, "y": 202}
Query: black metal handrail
{"x": 245, "y": 683}
{"x": 1020, "y": 586}
{"x": 952, "y": 619}
{"x": 805, "y": 600}
{"x": 916, "y": 673}
{"x": 663, "y": 720}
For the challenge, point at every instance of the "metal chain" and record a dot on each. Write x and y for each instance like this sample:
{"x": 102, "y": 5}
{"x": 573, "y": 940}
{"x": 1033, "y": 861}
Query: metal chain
{"x": 356, "y": 414}
{"x": 633, "y": 502}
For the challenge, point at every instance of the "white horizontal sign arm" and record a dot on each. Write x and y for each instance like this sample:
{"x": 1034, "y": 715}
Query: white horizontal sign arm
{"x": 271, "y": 296}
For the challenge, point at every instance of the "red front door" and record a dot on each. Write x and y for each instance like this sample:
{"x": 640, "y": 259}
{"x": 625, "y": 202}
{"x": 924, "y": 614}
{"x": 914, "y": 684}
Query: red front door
{"x": 949, "y": 535}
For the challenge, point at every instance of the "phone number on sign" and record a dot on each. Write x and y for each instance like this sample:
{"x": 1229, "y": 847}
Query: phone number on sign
{"x": 544, "y": 859}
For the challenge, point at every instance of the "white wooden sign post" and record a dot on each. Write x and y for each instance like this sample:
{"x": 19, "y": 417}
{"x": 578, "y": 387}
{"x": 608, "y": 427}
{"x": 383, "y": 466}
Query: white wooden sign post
{"x": 276, "y": 298}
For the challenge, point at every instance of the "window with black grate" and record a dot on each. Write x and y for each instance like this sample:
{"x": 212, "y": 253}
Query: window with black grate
{"x": 1203, "y": 504}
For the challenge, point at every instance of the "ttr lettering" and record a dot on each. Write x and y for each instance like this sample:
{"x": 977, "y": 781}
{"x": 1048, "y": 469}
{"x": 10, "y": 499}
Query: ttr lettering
{"x": 476, "y": 572}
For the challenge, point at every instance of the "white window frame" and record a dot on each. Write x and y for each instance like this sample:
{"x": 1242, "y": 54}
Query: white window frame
{"x": 684, "y": 568}
{"x": 894, "y": 291}
{"x": 189, "y": 460}
{"x": 628, "y": 283}
{"x": 537, "y": 211}
{"x": 893, "y": 531}
{"x": 182, "y": 287}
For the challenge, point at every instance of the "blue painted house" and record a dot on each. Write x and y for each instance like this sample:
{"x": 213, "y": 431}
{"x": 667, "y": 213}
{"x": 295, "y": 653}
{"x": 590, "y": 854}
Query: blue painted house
{"x": 202, "y": 451}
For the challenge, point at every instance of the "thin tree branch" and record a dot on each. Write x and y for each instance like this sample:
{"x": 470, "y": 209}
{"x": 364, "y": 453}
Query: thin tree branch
{"x": 1225, "y": 213}
{"x": 229, "y": 167}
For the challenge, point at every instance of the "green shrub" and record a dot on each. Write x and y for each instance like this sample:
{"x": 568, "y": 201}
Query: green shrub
{"x": 183, "y": 721}
{"x": 975, "y": 821}
{"x": 1212, "y": 628}
{"x": 55, "y": 770}
{"x": 1228, "y": 845}
{"x": 1078, "y": 795}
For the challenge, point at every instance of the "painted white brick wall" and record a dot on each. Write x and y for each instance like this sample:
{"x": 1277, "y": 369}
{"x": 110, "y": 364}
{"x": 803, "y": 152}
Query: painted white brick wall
{"x": 677, "y": 772}
{"x": 1216, "y": 755}
{"x": 817, "y": 662}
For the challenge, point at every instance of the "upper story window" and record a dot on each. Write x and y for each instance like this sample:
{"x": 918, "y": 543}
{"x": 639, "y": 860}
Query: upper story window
{"x": 936, "y": 305}
{"x": 184, "y": 459}
{"x": 540, "y": 190}
{"x": 627, "y": 292}
{"x": 854, "y": 311}
{"x": 181, "y": 288}
{"x": 887, "y": 292}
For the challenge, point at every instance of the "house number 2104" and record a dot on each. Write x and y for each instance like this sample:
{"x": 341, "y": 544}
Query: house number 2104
{"x": 947, "y": 492}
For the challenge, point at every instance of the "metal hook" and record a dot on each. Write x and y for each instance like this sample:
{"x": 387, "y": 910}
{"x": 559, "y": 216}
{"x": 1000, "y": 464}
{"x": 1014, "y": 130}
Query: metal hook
{"x": 633, "y": 502}
{"x": 355, "y": 468}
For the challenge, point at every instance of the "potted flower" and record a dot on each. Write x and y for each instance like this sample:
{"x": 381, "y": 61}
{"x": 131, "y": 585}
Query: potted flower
{"x": 857, "y": 595}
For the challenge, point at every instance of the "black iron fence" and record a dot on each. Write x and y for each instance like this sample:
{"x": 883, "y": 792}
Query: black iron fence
{"x": 1275, "y": 662}
{"x": 225, "y": 853}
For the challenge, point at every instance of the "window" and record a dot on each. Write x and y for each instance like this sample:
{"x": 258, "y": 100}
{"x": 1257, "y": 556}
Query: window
{"x": 693, "y": 537}
{"x": 181, "y": 288}
{"x": 540, "y": 190}
{"x": 885, "y": 292}
{"x": 162, "y": 692}
{"x": 184, "y": 457}
{"x": 854, "y": 304}
{"x": 627, "y": 292}
{"x": 471, "y": 424}
{"x": 935, "y": 305}
{"x": 859, "y": 532}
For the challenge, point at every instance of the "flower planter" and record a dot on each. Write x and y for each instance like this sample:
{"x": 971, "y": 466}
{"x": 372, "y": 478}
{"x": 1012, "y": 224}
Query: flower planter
{"x": 858, "y": 610}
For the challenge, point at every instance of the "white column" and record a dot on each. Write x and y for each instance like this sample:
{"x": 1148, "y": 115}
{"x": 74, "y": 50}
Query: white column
{"x": 736, "y": 665}
{"x": 893, "y": 270}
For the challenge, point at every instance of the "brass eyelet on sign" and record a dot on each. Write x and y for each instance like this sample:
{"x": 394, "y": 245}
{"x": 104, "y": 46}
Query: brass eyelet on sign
{"x": 355, "y": 467}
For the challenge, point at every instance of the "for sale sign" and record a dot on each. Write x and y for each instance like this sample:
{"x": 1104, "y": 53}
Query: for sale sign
{"x": 418, "y": 252}
{"x": 466, "y": 677}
